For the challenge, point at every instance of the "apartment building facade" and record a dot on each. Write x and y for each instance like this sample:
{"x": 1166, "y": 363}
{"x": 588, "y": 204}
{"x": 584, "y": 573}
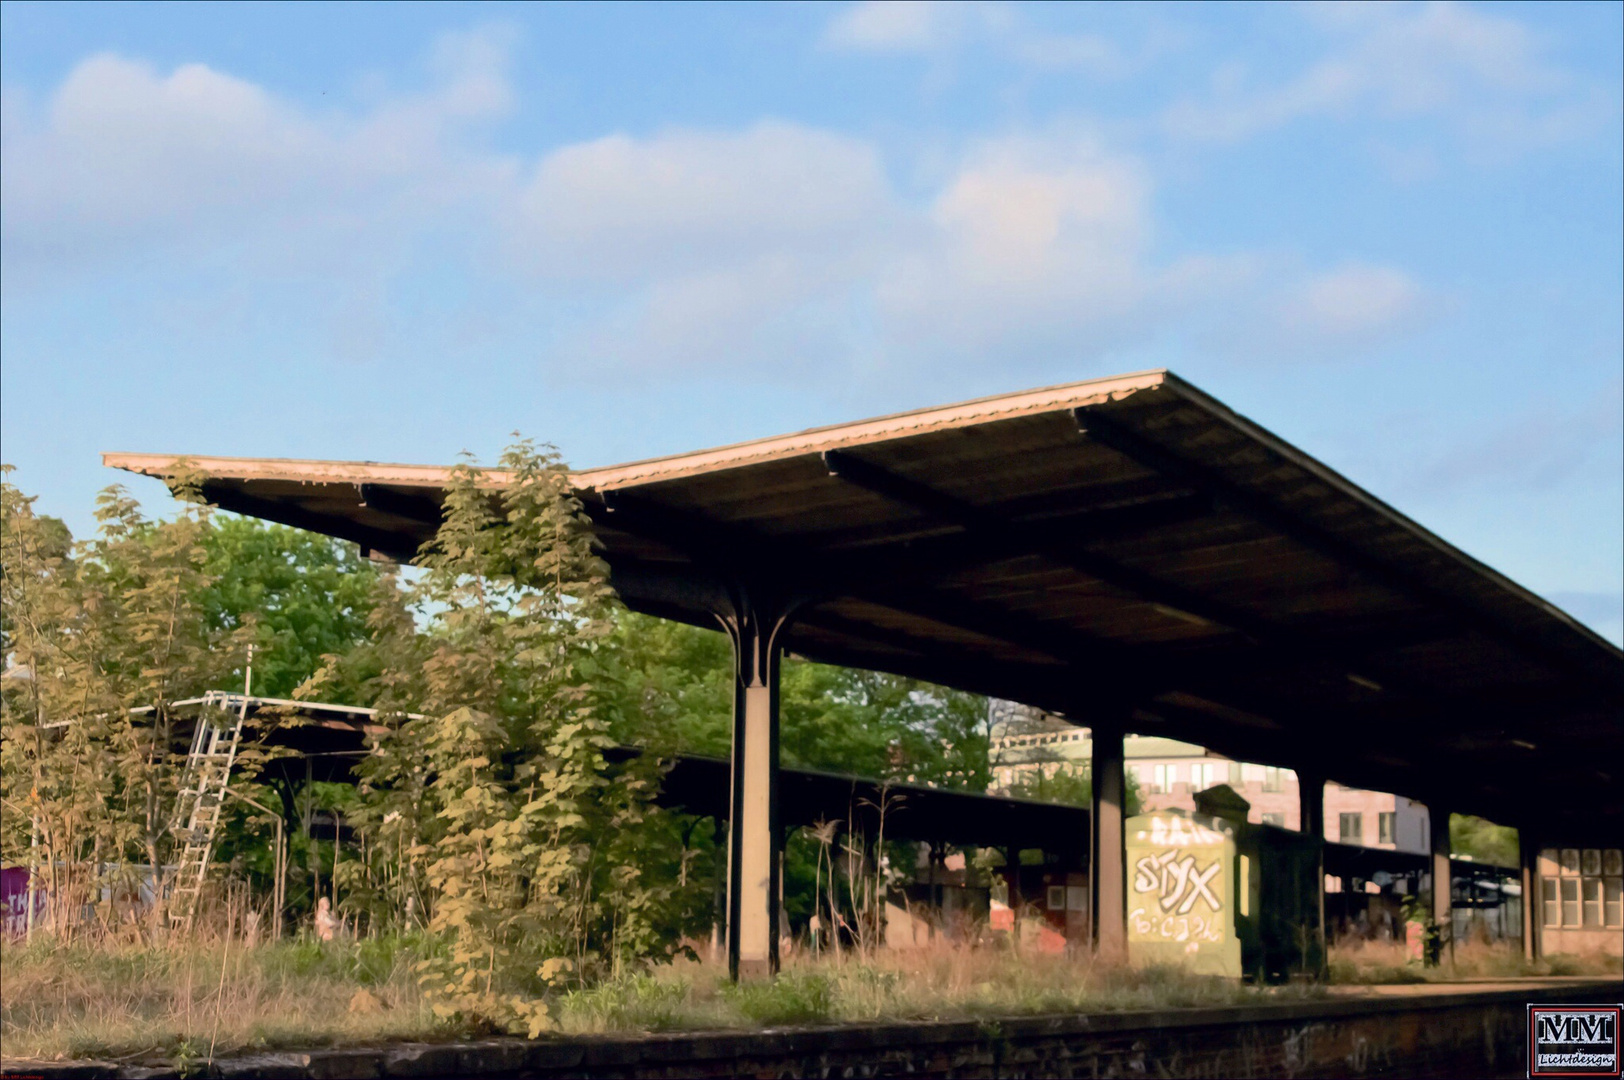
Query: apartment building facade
{"x": 1029, "y": 748}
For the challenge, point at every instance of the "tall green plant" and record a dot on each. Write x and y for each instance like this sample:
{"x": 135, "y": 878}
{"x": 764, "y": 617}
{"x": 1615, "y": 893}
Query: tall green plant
{"x": 101, "y": 638}
{"x": 498, "y": 794}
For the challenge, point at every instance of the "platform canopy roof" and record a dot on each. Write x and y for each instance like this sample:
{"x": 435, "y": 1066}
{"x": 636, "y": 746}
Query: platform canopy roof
{"x": 1120, "y": 544}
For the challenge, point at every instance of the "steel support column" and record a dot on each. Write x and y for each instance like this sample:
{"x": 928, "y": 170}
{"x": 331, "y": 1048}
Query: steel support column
{"x": 754, "y": 837}
{"x": 1442, "y": 878}
{"x": 1529, "y": 851}
{"x": 1311, "y": 823}
{"x": 1107, "y": 870}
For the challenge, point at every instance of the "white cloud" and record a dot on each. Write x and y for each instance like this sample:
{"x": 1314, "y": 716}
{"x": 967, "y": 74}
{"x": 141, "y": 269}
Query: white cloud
{"x": 1353, "y": 303}
{"x": 1027, "y": 236}
{"x": 124, "y": 156}
{"x": 775, "y": 244}
{"x": 913, "y": 26}
{"x": 937, "y": 28}
{"x": 123, "y": 146}
{"x": 1483, "y": 72}
{"x": 1269, "y": 308}
{"x": 682, "y": 200}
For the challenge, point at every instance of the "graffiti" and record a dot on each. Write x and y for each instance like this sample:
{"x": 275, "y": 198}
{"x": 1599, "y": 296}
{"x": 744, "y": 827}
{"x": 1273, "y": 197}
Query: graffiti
{"x": 1193, "y": 929}
{"x": 1178, "y": 832}
{"x": 1179, "y": 885}
{"x": 1177, "y": 882}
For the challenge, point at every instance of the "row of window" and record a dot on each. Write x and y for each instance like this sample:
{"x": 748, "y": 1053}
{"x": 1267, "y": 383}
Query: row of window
{"x": 1039, "y": 740}
{"x": 1589, "y": 862}
{"x": 1582, "y": 888}
{"x": 1581, "y": 903}
{"x": 1200, "y": 775}
{"x": 1351, "y": 827}
{"x": 1161, "y": 778}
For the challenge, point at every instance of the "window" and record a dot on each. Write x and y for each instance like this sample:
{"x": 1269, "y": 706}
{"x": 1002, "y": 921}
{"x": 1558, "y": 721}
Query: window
{"x": 1581, "y": 888}
{"x": 1570, "y": 901}
{"x": 1352, "y": 828}
{"x": 1592, "y": 900}
{"x": 1162, "y": 778}
{"x": 1056, "y": 898}
{"x": 1202, "y": 776}
{"x": 1234, "y": 774}
{"x": 1272, "y": 780}
{"x": 1274, "y": 818}
{"x": 1387, "y": 827}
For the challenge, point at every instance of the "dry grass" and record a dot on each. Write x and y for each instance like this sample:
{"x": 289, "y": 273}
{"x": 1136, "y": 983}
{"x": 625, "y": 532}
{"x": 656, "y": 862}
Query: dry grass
{"x": 1372, "y": 962}
{"x": 181, "y": 1003}
{"x": 175, "y": 1002}
{"x": 938, "y": 983}
{"x": 170, "y": 1003}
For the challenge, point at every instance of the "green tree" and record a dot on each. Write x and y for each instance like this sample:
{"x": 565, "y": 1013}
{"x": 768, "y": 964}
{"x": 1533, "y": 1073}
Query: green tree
{"x": 676, "y": 684}
{"x": 679, "y": 694}
{"x": 309, "y": 594}
{"x": 1483, "y": 840}
{"x": 1071, "y": 784}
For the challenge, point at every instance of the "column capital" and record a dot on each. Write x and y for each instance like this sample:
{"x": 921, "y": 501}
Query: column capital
{"x": 755, "y": 617}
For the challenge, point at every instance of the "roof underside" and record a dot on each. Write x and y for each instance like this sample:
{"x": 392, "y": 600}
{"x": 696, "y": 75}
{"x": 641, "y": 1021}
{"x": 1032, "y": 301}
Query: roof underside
{"x": 1120, "y": 543}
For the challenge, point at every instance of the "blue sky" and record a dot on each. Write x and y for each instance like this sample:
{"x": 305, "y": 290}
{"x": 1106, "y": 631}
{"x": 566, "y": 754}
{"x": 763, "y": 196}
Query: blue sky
{"x": 1391, "y": 234}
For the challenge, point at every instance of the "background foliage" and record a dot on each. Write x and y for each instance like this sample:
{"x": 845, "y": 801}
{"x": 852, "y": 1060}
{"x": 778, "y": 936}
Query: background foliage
{"x": 502, "y": 667}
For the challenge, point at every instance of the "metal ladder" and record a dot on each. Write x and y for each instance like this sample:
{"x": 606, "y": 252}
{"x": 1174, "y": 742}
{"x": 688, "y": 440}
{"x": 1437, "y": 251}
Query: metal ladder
{"x": 203, "y": 793}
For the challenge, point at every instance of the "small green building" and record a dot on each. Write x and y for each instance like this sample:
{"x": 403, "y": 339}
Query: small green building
{"x": 1213, "y": 893}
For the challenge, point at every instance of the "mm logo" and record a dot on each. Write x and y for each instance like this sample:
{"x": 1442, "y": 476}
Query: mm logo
{"x": 1573, "y": 1040}
{"x": 1577, "y": 1027}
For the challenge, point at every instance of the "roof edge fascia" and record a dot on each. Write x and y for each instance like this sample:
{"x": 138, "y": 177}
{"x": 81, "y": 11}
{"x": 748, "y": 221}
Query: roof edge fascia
{"x": 879, "y": 429}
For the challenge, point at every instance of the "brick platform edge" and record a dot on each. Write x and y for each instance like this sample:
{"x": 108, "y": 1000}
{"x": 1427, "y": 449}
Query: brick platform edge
{"x": 1466, "y": 1034}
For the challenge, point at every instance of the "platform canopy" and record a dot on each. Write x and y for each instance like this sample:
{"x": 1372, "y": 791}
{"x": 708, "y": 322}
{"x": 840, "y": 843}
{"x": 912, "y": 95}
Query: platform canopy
{"x": 1125, "y": 546}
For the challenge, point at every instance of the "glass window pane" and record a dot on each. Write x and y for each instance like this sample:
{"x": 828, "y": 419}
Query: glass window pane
{"x": 1592, "y": 901}
{"x": 1552, "y": 913}
{"x": 1548, "y": 862}
{"x": 1612, "y": 862}
{"x": 1590, "y": 861}
{"x": 1570, "y": 860}
{"x": 1570, "y": 901}
{"x": 1613, "y": 892}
